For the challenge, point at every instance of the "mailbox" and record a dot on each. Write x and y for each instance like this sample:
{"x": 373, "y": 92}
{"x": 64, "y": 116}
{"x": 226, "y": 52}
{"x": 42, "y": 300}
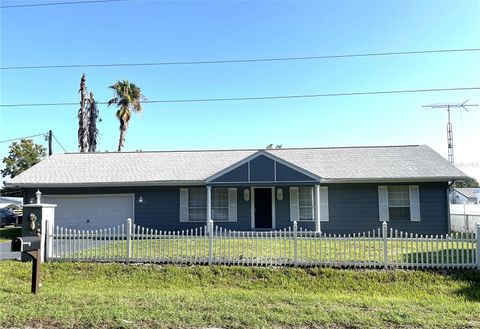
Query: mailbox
{"x": 26, "y": 243}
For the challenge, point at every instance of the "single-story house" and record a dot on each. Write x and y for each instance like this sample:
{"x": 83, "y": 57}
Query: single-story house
{"x": 333, "y": 190}
{"x": 465, "y": 195}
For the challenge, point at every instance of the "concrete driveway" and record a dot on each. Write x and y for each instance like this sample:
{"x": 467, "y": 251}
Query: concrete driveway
{"x": 5, "y": 252}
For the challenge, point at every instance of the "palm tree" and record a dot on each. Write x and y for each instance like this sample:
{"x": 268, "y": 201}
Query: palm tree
{"x": 127, "y": 97}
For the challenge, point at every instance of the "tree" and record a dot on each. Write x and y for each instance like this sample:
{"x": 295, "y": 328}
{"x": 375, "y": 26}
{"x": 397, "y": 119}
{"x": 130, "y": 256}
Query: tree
{"x": 82, "y": 117}
{"x": 92, "y": 123}
{"x": 127, "y": 97}
{"x": 22, "y": 156}
{"x": 469, "y": 182}
{"x": 87, "y": 119}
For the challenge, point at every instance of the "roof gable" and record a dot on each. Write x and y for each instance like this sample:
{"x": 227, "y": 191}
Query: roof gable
{"x": 262, "y": 167}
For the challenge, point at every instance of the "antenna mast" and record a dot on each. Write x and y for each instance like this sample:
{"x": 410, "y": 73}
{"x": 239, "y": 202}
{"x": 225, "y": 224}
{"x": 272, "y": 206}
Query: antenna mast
{"x": 464, "y": 106}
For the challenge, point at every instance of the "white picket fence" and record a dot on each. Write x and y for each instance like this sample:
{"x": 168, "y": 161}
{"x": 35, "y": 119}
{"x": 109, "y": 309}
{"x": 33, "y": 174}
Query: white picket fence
{"x": 381, "y": 248}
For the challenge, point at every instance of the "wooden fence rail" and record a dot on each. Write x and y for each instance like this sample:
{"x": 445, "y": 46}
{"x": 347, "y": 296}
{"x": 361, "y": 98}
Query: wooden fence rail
{"x": 381, "y": 248}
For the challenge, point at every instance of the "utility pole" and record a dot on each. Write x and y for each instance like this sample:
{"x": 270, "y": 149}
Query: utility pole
{"x": 49, "y": 136}
{"x": 464, "y": 106}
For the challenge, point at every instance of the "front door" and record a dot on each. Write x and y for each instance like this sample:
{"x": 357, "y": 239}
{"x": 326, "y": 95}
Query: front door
{"x": 263, "y": 208}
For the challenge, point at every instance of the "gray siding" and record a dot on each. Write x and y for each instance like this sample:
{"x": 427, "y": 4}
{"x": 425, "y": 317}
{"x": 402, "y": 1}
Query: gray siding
{"x": 353, "y": 208}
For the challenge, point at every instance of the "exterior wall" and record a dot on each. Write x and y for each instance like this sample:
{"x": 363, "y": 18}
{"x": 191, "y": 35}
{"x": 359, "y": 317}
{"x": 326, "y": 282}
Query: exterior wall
{"x": 353, "y": 208}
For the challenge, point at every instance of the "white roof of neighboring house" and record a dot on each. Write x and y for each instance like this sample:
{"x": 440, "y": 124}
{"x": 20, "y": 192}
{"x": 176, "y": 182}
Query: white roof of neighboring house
{"x": 468, "y": 192}
{"x": 8, "y": 199}
{"x": 336, "y": 164}
{"x": 8, "y": 205}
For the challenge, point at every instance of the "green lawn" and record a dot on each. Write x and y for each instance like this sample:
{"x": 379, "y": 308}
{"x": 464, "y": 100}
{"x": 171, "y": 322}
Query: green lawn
{"x": 8, "y": 233}
{"x": 273, "y": 251}
{"x": 78, "y": 295}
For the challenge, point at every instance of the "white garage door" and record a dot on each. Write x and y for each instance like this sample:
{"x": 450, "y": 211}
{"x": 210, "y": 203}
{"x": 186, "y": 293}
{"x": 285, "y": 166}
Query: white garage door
{"x": 92, "y": 211}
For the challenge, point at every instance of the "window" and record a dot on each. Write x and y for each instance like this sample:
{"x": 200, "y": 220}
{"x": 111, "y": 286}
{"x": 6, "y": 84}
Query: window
{"x": 306, "y": 203}
{"x": 197, "y": 204}
{"x": 398, "y": 202}
{"x": 220, "y": 204}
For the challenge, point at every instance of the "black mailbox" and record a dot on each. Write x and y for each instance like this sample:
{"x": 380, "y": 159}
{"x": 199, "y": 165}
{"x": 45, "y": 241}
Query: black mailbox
{"x": 26, "y": 243}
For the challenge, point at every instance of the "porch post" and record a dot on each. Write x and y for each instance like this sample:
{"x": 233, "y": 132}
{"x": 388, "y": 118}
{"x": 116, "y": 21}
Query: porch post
{"x": 317, "y": 208}
{"x": 209, "y": 205}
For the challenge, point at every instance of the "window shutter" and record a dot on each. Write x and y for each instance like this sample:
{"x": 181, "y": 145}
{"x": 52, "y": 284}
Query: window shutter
{"x": 184, "y": 205}
{"x": 232, "y": 204}
{"x": 294, "y": 210}
{"x": 383, "y": 203}
{"x": 414, "y": 203}
{"x": 324, "y": 216}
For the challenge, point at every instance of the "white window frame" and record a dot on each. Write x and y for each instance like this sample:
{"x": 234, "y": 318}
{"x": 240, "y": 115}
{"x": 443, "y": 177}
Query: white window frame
{"x": 391, "y": 194}
{"x": 413, "y": 192}
{"x": 230, "y": 207}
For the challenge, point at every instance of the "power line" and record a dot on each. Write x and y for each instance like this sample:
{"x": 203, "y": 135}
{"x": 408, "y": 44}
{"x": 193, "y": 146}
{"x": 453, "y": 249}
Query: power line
{"x": 14, "y": 139}
{"x": 55, "y": 138}
{"x": 58, "y": 3}
{"x": 196, "y": 100}
{"x": 251, "y": 60}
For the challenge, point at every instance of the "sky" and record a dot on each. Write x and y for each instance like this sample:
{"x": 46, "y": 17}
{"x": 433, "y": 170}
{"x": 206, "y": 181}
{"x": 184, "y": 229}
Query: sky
{"x": 163, "y": 31}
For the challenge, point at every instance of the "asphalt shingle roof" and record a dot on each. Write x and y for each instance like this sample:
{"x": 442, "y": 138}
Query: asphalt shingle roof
{"x": 469, "y": 192}
{"x": 334, "y": 164}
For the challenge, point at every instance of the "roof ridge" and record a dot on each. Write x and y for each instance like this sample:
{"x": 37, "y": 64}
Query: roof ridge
{"x": 249, "y": 149}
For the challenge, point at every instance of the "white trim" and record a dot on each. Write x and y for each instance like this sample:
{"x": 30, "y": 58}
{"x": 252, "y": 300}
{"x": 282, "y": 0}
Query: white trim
{"x": 324, "y": 207}
{"x": 209, "y": 203}
{"x": 383, "y": 212}
{"x": 317, "y": 208}
{"x": 274, "y": 171}
{"x": 414, "y": 195}
{"x": 248, "y": 166}
{"x": 278, "y": 183}
{"x": 252, "y": 205}
{"x": 109, "y": 184}
{"x": 232, "y": 204}
{"x": 294, "y": 211}
{"x": 183, "y": 214}
{"x": 387, "y": 180}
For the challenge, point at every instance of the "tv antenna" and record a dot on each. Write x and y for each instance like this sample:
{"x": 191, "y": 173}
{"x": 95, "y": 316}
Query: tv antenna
{"x": 464, "y": 106}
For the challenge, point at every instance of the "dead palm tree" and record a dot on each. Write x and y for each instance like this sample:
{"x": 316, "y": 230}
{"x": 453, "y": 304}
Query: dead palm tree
{"x": 93, "y": 114}
{"x": 82, "y": 117}
{"x": 127, "y": 97}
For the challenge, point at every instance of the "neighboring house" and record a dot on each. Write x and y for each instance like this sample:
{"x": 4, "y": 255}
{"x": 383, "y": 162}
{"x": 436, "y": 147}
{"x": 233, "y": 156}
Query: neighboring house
{"x": 335, "y": 190}
{"x": 18, "y": 202}
{"x": 13, "y": 203}
{"x": 465, "y": 195}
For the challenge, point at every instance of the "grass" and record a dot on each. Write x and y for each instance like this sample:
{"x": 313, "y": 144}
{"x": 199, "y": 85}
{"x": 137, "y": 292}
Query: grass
{"x": 7, "y": 234}
{"x": 78, "y": 295}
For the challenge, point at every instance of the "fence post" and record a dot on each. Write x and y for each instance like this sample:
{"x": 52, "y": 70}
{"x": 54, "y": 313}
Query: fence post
{"x": 129, "y": 238}
{"x": 210, "y": 241}
{"x": 385, "y": 244}
{"x": 295, "y": 227}
{"x": 478, "y": 246}
{"x": 47, "y": 242}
